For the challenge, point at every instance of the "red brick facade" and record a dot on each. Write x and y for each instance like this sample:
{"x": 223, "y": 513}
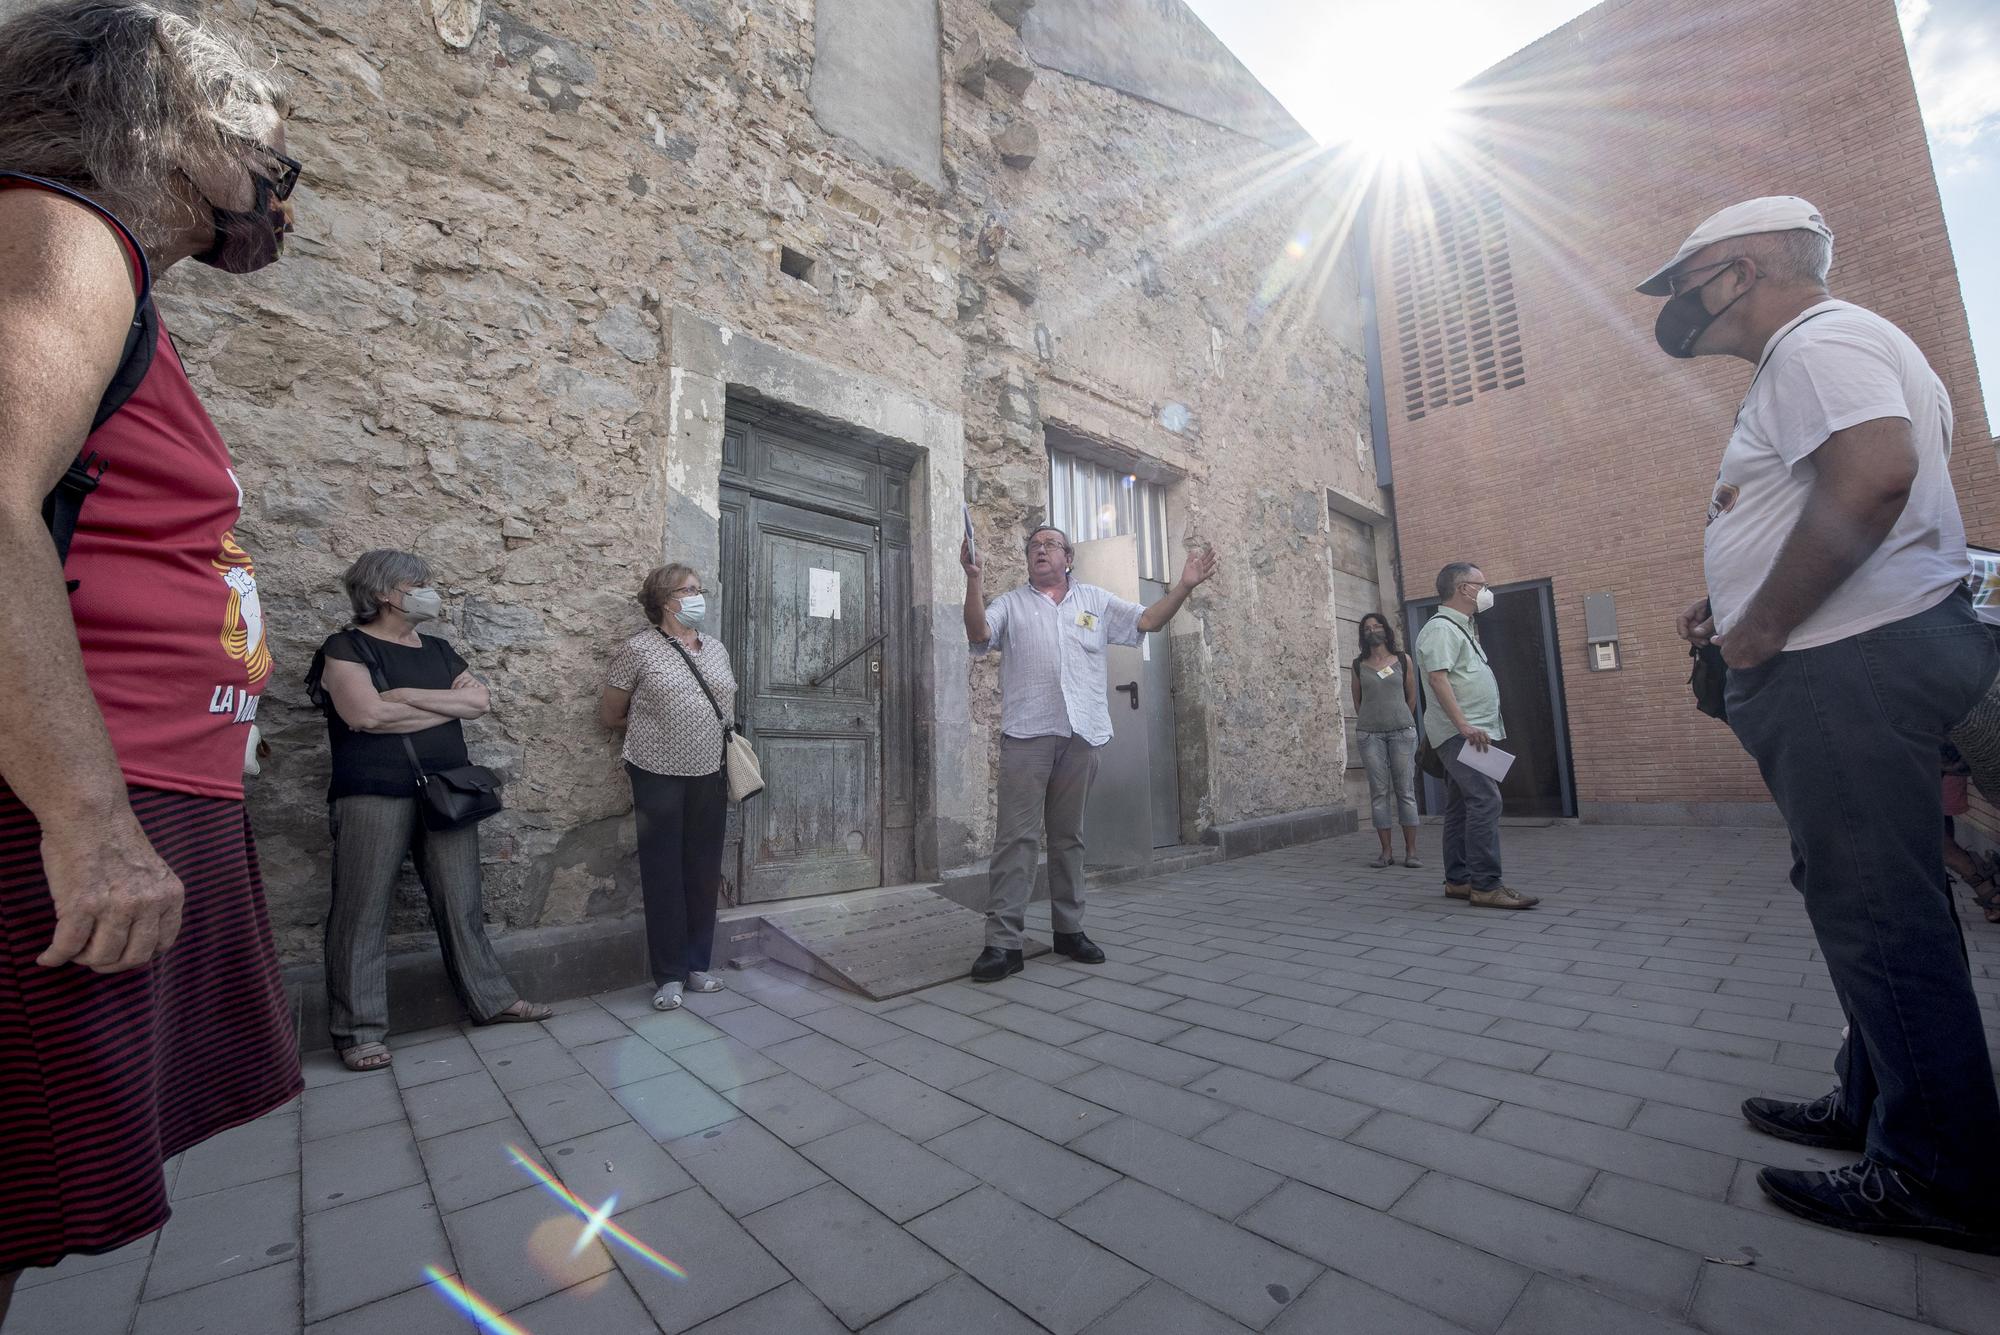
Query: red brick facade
{"x": 1609, "y": 140}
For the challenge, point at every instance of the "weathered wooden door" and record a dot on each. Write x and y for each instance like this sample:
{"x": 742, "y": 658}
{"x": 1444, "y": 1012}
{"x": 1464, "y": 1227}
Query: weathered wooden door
{"x": 812, "y": 681}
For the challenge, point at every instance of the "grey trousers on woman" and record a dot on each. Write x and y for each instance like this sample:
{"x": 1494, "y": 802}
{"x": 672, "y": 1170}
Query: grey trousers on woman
{"x": 371, "y": 835}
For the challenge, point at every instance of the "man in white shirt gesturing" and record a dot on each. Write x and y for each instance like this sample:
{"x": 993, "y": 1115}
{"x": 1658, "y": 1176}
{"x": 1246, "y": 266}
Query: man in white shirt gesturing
{"x": 1835, "y": 563}
{"x": 1054, "y": 718}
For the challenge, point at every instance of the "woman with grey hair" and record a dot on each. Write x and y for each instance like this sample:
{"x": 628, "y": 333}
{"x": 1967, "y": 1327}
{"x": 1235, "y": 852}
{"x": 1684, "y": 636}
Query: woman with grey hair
{"x": 383, "y": 684}
{"x": 140, "y": 1004}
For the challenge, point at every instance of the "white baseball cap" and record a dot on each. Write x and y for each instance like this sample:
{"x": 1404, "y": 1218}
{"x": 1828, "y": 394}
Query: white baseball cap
{"x": 1772, "y": 213}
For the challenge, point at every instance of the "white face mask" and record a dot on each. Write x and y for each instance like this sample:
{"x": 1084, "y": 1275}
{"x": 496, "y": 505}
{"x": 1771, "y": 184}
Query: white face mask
{"x": 693, "y": 608}
{"x": 422, "y": 605}
{"x": 1484, "y": 602}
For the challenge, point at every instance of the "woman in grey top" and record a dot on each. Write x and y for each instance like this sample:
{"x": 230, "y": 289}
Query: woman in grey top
{"x": 1385, "y": 703}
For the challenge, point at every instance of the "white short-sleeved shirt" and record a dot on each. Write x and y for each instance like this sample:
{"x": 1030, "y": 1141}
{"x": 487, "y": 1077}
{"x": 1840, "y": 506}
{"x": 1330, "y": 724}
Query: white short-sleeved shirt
{"x": 1834, "y": 367}
{"x": 670, "y": 728}
{"x": 1052, "y": 676}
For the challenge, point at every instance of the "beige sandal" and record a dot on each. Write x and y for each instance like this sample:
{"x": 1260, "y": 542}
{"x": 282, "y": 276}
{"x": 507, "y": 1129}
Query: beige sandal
{"x": 521, "y": 1012}
{"x": 366, "y": 1057}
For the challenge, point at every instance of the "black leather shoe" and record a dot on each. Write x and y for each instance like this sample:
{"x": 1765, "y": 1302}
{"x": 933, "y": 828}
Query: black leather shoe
{"x": 994, "y": 964}
{"x": 1079, "y": 948}
{"x": 1871, "y": 1197}
{"x": 1817, "y": 1124}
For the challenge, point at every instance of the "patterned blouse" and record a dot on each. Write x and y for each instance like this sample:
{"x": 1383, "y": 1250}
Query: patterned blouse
{"x": 670, "y": 728}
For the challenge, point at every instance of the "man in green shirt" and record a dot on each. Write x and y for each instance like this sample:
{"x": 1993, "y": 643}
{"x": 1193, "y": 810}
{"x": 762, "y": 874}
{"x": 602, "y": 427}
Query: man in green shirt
{"x": 1465, "y": 711}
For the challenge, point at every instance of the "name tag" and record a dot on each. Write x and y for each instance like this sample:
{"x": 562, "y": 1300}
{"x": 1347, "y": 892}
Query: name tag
{"x": 1087, "y": 620}
{"x": 1387, "y": 672}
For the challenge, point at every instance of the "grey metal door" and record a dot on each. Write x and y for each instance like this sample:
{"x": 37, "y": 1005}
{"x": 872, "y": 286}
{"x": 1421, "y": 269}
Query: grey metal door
{"x": 813, "y": 584}
{"x": 1156, "y": 702}
{"x": 1118, "y": 821}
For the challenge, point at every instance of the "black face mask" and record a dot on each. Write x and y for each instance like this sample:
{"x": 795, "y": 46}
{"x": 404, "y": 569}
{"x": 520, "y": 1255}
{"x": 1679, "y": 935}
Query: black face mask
{"x": 1375, "y": 637}
{"x": 1683, "y": 320}
{"x": 247, "y": 239}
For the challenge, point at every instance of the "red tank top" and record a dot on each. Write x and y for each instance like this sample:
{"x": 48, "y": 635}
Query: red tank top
{"x": 166, "y": 605}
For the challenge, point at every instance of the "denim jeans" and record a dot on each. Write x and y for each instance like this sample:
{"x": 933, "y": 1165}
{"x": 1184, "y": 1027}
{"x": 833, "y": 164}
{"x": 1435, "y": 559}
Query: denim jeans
{"x": 1847, "y": 738}
{"x": 1471, "y": 822}
{"x": 1391, "y": 758}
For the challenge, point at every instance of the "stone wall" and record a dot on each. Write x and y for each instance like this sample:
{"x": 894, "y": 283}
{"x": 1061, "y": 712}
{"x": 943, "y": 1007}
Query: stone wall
{"x": 469, "y": 351}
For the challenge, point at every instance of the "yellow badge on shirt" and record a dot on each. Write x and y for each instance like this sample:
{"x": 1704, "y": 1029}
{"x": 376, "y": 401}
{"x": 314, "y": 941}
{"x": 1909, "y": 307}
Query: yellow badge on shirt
{"x": 1387, "y": 672}
{"x": 1088, "y": 620}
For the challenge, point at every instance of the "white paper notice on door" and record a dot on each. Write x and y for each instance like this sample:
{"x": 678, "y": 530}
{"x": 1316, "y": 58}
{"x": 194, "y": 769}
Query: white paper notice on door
{"x": 823, "y": 594}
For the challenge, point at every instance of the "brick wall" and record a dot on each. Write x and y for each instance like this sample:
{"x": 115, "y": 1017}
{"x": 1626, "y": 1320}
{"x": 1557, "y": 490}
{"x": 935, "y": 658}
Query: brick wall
{"x": 1610, "y": 139}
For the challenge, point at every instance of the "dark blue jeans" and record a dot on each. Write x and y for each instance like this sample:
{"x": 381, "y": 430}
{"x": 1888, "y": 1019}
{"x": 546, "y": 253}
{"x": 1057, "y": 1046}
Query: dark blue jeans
{"x": 1471, "y": 822}
{"x": 1847, "y": 738}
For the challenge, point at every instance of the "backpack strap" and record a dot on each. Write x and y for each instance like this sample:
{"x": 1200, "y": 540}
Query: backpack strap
{"x": 63, "y": 506}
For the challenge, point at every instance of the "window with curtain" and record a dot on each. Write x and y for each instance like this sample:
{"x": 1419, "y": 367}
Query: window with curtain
{"x": 1090, "y": 500}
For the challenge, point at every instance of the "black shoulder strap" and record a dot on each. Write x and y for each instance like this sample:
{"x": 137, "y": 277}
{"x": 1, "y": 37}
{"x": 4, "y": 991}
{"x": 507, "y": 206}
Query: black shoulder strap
{"x": 63, "y": 506}
{"x": 699, "y": 680}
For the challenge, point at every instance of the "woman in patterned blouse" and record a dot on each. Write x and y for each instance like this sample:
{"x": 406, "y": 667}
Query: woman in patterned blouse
{"x": 671, "y": 689}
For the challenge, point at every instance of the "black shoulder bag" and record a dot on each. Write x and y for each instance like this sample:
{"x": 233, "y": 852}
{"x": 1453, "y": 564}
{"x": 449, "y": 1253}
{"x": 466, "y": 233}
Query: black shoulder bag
{"x": 449, "y": 799}
{"x": 1428, "y": 760}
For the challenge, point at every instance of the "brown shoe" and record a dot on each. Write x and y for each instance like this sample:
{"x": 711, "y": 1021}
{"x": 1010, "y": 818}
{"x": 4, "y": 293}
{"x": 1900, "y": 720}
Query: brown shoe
{"x": 1500, "y": 897}
{"x": 1454, "y": 890}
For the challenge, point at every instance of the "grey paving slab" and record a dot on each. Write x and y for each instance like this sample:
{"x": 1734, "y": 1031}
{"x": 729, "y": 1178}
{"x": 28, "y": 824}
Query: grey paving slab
{"x": 535, "y": 1062}
{"x": 1475, "y": 1157}
{"x": 1163, "y": 1105}
{"x": 943, "y": 1023}
{"x": 359, "y": 1164}
{"x": 725, "y": 1266}
{"x": 83, "y": 1263}
{"x": 360, "y": 1253}
{"x": 267, "y": 1147}
{"x": 1537, "y": 1091}
{"x": 599, "y": 1305}
{"x": 226, "y": 1233}
{"x": 1162, "y": 1309}
{"x": 623, "y": 1061}
{"x": 1249, "y": 1054}
{"x": 1415, "y": 1098}
{"x": 515, "y": 1249}
{"x": 938, "y": 1065}
{"x": 1029, "y": 1056}
{"x": 792, "y": 1109}
{"x": 670, "y": 1031}
{"x": 906, "y": 1106}
{"x": 1220, "y": 1183}
{"x": 1151, "y": 1059}
{"x": 623, "y": 1161}
{"x": 1143, "y": 1025}
{"x": 1237, "y": 1272}
{"x": 581, "y": 1028}
{"x": 855, "y": 1028}
{"x": 1282, "y": 1101}
{"x": 474, "y": 1165}
{"x": 1027, "y": 992}
{"x": 1461, "y": 1283}
{"x": 725, "y": 1063}
{"x": 960, "y": 1304}
{"x": 896, "y": 1176}
{"x": 758, "y": 1026}
{"x": 1332, "y": 1165}
{"x": 1957, "y": 1297}
{"x": 823, "y": 1061}
{"x": 453, "y": 1105}
{"x": 1550, "y": 1307}
{"x": 853, "y": 1259}
{"x": 1550, "y": 1241}
{"x": 789, "y": 1309}
{"x": 674, "y": 1105}
{"x": 423, "y": 1310}
{"x": 1049, "y": 1112}
{"x": 564, "y": 1109}
{"x": 333, "y": 1110}
{"x": 1033, "y": 1022}
{"x": 439, "y": 1059}
{"x": 263, "y": 1302}
{"x": 1030, "y": 1169}
{"x": 744, "y": 1166}
{"x": 493, "y": 1037}
{"x": 97, "y": 1302}
{"x": 1736, "y": 1299}
{"x": 1340, "y": 1302}
{"x": 1628, "y": 1152}
{"x": 1053, "y": 1275}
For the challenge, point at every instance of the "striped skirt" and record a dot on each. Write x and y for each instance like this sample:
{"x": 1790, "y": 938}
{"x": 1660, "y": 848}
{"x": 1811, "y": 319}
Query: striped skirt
{"x": 103, "y": 1077}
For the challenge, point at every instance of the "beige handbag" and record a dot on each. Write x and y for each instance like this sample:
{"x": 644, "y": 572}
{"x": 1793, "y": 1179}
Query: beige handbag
{"x": 740, "y": 769}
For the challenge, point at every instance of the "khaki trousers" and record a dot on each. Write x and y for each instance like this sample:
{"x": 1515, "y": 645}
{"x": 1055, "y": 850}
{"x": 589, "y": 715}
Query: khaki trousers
{"x": 1043, "y": 784}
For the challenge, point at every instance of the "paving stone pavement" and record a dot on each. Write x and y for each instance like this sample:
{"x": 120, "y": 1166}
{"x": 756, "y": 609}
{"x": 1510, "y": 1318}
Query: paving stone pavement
{"x": 1303, "y": 1096}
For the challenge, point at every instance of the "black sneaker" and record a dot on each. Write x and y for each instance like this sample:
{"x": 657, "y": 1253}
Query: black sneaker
{"x": 994, "y": 964}
{"x": 1871, "y": 1197}
{"x": 1079, "y": 947}
{"x": 1816, "y": 1124}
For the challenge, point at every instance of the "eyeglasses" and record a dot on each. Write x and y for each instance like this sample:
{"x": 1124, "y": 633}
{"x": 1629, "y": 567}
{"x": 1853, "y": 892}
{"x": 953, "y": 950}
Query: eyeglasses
{"x": 691, "y": 591}
{"x": 1679, "y": 282}
{"x": 1046, "y": 546}
{"x": 286, "y": 177}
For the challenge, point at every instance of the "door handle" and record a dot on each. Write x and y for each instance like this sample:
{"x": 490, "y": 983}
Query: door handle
{"x": 1133, "y": 687}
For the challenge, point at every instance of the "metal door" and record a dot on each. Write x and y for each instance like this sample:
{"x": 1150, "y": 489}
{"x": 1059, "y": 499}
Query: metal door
{"x": 1156, "y": 690}
{"x": 812, "y": 686}
{"x": 1118, "y": 820}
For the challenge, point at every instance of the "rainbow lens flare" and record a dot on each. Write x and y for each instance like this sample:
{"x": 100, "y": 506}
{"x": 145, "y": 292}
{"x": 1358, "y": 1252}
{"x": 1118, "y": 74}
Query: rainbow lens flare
{"x": 472, "y": 1304}
{"x": 596, "y": 1219}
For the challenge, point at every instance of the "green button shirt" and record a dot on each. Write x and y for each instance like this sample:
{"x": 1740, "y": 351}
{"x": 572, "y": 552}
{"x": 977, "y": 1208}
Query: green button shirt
{"x": 1448, "y": 644}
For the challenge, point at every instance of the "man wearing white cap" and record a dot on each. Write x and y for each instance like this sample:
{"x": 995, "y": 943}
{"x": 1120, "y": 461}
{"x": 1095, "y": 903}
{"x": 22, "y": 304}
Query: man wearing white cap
{"x": 1835, "y": 563}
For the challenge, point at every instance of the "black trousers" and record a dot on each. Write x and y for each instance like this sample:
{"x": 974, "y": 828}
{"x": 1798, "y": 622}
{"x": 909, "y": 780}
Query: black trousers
{"x": 681, "y": 822}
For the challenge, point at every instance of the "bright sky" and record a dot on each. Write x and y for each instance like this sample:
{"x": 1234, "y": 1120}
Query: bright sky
{"x": 1332, "y": 63}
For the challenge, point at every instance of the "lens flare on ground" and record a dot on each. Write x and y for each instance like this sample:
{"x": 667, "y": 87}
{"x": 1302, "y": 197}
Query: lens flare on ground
{"x": 597, "y": 1219}
{"x": 470, "y": 1303}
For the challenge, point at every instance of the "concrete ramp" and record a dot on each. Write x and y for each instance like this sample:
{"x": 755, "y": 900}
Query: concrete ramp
{"x": 880, "y": 943}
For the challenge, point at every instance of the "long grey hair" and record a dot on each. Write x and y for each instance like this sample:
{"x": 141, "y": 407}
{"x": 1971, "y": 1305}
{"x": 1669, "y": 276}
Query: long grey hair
{"x": 117, "y": 98}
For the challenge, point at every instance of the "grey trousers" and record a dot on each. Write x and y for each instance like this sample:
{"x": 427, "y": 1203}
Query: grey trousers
{"x": 1043, "y": 782}
{"x": 1391, "y": 758}
{"x": 371, "y": 835}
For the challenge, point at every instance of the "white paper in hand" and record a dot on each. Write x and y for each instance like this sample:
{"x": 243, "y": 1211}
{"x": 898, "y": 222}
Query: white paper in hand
{"x": 1492, "y": 762}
